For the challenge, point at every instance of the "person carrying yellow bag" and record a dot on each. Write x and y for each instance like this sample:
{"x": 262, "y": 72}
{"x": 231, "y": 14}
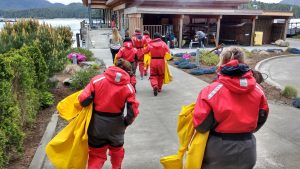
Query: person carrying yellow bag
{"x": 157, "y": 49}
{"x": 192, "y": 143}
{"x": 96, "y": 128}
{"x": 232, "y": 108}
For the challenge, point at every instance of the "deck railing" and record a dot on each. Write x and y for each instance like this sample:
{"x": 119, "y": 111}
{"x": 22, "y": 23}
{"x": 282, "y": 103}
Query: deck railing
{"x": 293, "y": 29}
{"x": 162, "y": 29}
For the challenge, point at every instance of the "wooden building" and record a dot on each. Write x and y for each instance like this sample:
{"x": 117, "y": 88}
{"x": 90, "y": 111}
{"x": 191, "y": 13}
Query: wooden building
{"x": 222, "y": 20}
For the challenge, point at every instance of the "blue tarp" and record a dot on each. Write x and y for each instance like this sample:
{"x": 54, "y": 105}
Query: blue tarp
{"x": 294, "y": 50}
{"x": 181, "y": 61}
{"x": 274, "y": 50}
{"x": 187, "y": 66}
{"x": 202, "y": 71}
{"x": 296, "y": 103}
{"x": 179, "y": 54}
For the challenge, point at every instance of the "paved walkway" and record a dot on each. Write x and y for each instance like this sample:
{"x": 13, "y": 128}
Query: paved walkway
{"x": 153, "y": 135}
{"x": 283, "y": 70}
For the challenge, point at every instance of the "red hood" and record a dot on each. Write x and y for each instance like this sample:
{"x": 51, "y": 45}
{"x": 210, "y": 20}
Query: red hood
{"x": 155, "y": 44}
{"x": 128, "y": 45}
{"x": 237, "y": 84}
{"x": 117, "y": 75}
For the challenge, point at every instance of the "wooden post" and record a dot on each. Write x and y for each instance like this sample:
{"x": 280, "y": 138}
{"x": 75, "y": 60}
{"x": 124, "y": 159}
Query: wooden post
{"x": 207, "y": 23}
{"x": 253, "y": 30}
{"x": 218, "y": 30}
{"x": 135, "y": 21}
{"x": 90, "y": 13}
{"x": 180, "y": 30}
{"x": 287, "y": 20}
{"x": 142, "y": 23}
{"x": 78, "y": 40}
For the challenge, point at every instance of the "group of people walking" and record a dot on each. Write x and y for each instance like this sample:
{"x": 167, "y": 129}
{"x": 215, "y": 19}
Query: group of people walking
{"x": 232, "y": 108}
{"x": 134, "y": 49}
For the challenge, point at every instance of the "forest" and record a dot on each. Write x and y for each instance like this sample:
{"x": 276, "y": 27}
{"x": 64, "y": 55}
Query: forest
{"x": 75, "y": 10}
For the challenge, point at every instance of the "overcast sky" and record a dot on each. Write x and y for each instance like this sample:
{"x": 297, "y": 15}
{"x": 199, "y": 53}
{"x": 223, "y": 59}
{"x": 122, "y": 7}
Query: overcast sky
{"x": 64, "y": 1}
{"x": 270, "y": 1}
{"x": 70, "y": 1}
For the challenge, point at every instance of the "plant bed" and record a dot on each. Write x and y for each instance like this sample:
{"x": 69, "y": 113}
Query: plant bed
{"x": 271, "y": 92}
{"x": 35, "y": 133}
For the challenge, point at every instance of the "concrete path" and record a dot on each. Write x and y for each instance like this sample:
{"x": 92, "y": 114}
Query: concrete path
{"x": 153, "y": 134}
{"x": 283, "y": 70}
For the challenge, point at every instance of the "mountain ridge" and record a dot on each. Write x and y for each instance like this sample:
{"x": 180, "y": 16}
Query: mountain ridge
{"x": 290, "y": 2}
{"x": 27, "y": 4}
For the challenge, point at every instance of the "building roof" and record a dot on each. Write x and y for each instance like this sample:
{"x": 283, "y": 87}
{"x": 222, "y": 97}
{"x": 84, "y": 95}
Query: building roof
{"x": 178, "y": 3}
{"x": 196, "y": 7}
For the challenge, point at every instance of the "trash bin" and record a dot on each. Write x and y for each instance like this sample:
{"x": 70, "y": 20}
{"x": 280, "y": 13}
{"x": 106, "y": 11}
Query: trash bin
{"x": 258, "y": 38}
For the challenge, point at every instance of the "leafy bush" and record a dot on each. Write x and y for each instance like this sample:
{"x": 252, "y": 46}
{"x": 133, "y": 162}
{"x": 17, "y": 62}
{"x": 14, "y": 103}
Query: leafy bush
{"x": 89, "y": 55}
{"x": 209, "y": 59}
{"x": 248, "y": 54}
{"x": 82, "y": 78}
{"x": 30, "y": 54}
{"x": 52, "y": 42}
{"x": 66, "y": 35}
{"x": 11, "y": 135}
{"x": 46, "y": 99}
{"x": 40, "y": 66}
{"x": 290, "y": 92}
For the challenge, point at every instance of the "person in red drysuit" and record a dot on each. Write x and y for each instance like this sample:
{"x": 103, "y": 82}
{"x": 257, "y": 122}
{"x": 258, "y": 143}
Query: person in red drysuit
{"x": 146, "y": 41}
{"x": 231, "y": 108}
{"x": 129, "y": 53}
{"x": 109, "y": 93}
{"x": 137, "y": 40}
{"x": 157, "y": 49}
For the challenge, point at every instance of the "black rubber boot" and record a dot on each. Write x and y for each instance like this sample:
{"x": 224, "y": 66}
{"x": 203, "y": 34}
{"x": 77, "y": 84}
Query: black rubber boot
{"x": 155, "y": 91}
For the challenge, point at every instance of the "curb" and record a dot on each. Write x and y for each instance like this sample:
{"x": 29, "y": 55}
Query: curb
{"x": 269, "y": 80}
{"x": 40, "y": 154}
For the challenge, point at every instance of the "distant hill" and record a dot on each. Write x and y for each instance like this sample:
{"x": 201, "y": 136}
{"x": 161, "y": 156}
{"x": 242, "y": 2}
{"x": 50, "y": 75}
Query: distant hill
{"x": 74, "y": 10}
{"x": 27, "y": 4}
{"x": 291, "y": 2}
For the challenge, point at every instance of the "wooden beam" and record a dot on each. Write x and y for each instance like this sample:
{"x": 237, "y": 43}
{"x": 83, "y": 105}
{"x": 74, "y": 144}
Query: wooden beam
{"x": 98, "y": 6}
{"x": 119, "y": 7}
{"x": 218, "y": 30}
{"x": 286, "y": 28}
{"x": 253, "y": 31}
{"x": 180, "y": 30}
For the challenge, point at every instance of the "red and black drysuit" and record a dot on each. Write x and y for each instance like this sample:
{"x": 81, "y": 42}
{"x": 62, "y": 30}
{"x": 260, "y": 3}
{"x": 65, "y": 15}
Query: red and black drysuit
{"x": 109, "y": 92}
{"x": 157, "y": 49}
{"x": 232, "y": 108}
{"x": 137, "y": 41}
{"x": 129, "y": 53}
{"x": 146, "y": 41}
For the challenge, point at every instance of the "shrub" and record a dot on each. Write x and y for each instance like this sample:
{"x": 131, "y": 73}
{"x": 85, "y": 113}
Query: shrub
{"x": 40, "y": 66}
{"x": 82, "y": 78}
{"x": 290, "y": 92}
{"x": 89, "y": 55}
{"x": 296, "y": 37}
{"x": 248, "y": 54}
{"x": 66, "y": 36}
{"x": 11, "y": 135}
{"x": 209, "y": 59}
{"x": 52, "y": 42}
{"x": 46, "y": 99}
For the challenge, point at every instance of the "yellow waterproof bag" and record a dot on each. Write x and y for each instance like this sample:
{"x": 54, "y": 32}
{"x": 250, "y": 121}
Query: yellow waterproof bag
{"x": 69, "y": 148}
{"x": 191, "y": 142}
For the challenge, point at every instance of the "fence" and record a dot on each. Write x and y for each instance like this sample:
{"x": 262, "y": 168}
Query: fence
{"x": 162, "y": 29}
{"x": 293, "y": 29}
